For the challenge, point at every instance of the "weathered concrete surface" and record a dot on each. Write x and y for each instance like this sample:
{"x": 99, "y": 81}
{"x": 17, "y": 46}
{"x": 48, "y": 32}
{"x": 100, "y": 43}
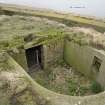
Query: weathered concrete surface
{"x": 81, "y": 58}
{"x": 20, "y": 57}
{"x": 53, "y": 51}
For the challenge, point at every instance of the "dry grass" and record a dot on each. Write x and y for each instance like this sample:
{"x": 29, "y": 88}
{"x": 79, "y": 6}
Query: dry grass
{"x": 22, "y": 10}
{"x": 87, "y": 36}
{"x": 21, "y": 26}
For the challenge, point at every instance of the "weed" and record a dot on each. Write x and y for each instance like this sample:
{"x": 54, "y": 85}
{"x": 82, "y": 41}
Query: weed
{"x": 76, "y": 89}
{"x": 96, "y": 87}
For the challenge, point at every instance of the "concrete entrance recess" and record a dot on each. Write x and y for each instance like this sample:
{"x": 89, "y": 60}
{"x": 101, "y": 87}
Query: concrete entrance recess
{"x": 34, "y": 57}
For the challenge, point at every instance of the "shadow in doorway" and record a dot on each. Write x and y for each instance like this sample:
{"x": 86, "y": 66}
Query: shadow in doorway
{"x": 34, "y": 58}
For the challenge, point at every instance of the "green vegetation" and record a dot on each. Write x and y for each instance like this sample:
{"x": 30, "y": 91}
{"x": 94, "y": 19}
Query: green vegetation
{"x": 96, "y": 87}
{"x": 79, "y": 38}
{"x": 15, "y": 29}
{"x": 42, "y": 30}
{"x": 76, "y": 89}
{"x": 88, "y": 37}
{"x": 64, "y": 80}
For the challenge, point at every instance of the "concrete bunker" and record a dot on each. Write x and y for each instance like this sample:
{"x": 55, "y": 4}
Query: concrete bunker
{"x": 55, "y": 61}
{"x": 90, "y": 56}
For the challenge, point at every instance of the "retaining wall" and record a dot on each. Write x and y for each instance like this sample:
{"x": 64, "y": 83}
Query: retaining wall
{"x": 40, "y": 93}
{"x": 84, "y": 59}
{"x": 53, "y": 51}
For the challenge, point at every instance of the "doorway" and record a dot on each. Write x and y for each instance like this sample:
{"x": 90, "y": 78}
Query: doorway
{"x": 96, "y": 65}
{"x": 34, "y": 57}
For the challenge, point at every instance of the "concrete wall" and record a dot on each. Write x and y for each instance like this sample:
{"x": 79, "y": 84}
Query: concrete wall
{"x": 81, "y": 58}
{"x": 24, "y": 86}
{"x": 53, "y": 51}
{"x": 20, "y": 57}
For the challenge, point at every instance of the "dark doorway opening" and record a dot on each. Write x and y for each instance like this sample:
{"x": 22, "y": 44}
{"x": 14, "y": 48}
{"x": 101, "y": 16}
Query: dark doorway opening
{"x": 34, "y": 57}
{"x": 96, "y": 64}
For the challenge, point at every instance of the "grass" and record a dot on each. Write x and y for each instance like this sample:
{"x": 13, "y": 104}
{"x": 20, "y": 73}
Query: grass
{"x": 96, "y": 87}
{"x": 75, "y": 89}
{"x": 30, "y": 25}
{"x": 69, "y": 19}
{"x": 90, "y": 37}
{"x": 42, "y": 29}
{"x": 15, "y": 28}
{"x": 64, "y": 80}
